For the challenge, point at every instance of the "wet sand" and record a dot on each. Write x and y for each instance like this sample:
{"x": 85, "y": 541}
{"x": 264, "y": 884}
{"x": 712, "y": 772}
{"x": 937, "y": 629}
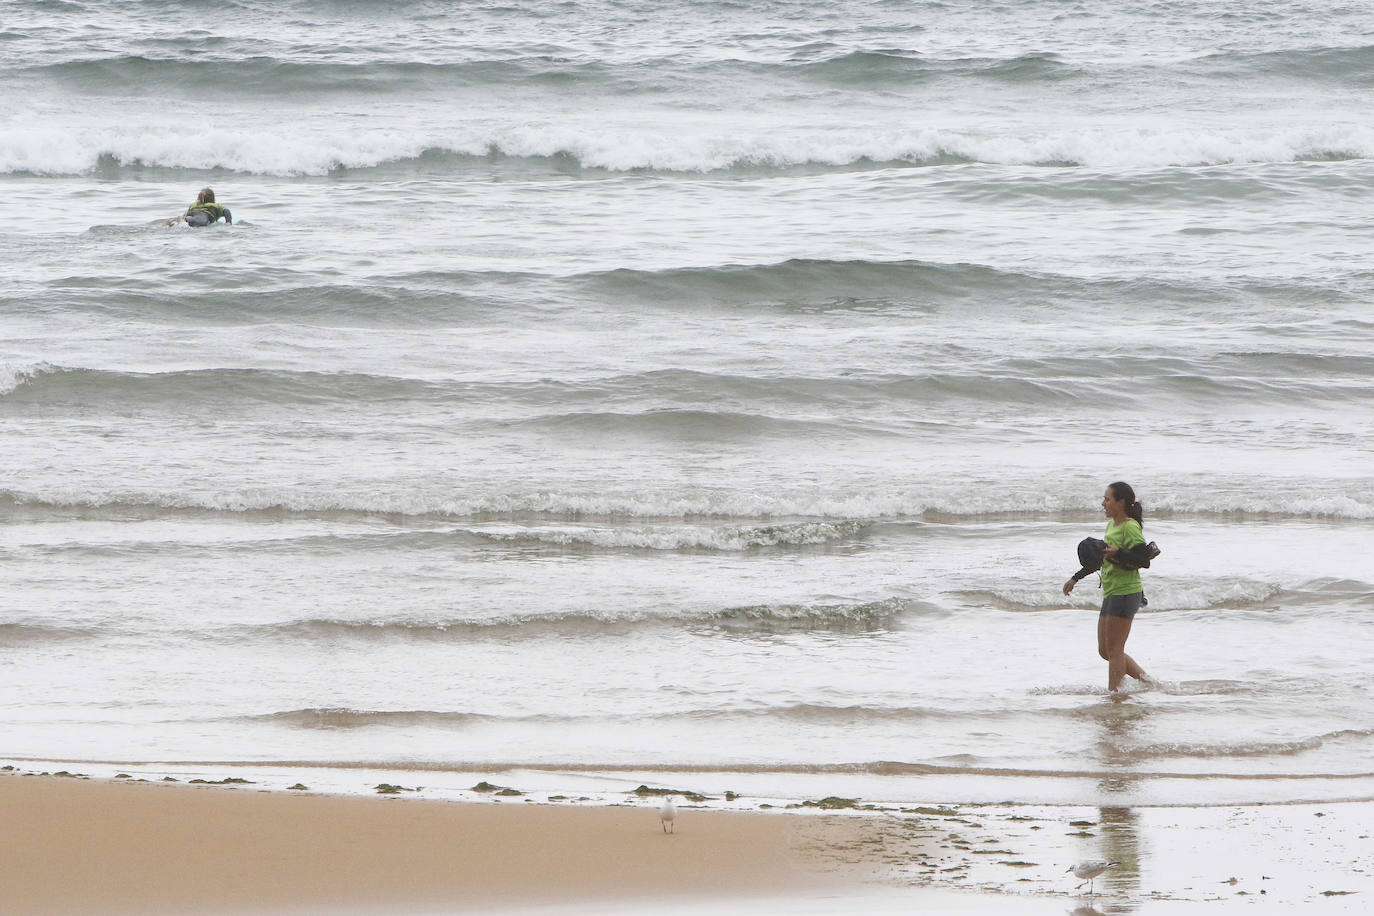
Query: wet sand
{"x": 76, "y": 845}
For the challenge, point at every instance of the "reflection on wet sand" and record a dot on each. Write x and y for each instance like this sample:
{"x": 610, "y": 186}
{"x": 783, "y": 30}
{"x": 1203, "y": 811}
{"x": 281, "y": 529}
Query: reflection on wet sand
{"x": 1119, "y": 838}
{"x": 1086, "y": 910}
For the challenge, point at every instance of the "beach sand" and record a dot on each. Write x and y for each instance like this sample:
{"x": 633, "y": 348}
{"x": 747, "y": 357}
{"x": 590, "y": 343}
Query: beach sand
{"x": 76, "y": 845}
{"x": 96, "y": 846}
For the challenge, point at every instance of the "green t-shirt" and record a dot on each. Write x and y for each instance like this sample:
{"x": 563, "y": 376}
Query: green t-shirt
{"x": 1115, "y": 580}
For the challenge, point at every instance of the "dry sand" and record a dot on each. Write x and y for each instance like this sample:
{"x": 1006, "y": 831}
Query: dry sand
{"x": 79, "y": 846}
{"x": 75, "y": 845}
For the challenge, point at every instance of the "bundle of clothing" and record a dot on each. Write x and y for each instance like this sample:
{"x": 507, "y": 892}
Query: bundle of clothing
{"x": 1090, "y": 556}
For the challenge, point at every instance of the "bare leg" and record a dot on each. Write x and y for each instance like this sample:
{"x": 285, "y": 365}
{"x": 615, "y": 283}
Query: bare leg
{"x": 1112, "y": 633}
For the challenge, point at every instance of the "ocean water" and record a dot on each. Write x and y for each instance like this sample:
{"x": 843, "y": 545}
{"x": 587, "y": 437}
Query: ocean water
{"x": 705, "y": 392}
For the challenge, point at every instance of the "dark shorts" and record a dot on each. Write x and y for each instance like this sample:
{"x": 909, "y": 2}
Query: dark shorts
{"x": 199, "y": 218}
{"x": 1122, "y": 605}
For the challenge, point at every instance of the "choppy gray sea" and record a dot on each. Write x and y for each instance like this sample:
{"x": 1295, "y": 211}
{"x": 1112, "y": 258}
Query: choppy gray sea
{"x": 624, "y": 387}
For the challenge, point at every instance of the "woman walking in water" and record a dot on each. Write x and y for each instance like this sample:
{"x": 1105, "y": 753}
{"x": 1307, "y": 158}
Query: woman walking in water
{"x": 1122, "y": 593}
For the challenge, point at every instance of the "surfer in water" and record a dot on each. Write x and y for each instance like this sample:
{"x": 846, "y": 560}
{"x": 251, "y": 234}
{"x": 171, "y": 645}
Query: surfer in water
{"x": 1122, "y": 593}
{"x": 204, "y": 212}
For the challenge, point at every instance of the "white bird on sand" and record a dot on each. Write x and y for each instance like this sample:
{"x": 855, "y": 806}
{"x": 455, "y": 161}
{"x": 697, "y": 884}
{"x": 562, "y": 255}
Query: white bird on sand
{"x": 1090, "y": 870}
{"x": 667, "y": 813}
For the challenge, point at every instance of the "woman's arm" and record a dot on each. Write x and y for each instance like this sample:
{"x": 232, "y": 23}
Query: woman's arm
{"x": 1076, "y": 577}
{"x": 1137, "y": 556}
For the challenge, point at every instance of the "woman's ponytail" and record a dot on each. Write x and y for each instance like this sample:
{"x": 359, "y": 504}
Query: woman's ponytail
{"x": 1134, "y": 509}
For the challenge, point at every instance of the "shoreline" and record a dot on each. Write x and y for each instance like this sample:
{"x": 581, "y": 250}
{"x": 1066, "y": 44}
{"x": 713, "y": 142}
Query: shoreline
{"x": 894, "y": 788}
{"x": 77, "y": 844}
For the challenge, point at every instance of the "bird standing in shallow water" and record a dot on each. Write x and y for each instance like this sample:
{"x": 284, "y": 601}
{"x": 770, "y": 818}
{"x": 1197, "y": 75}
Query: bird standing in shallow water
{"x": 1090, "y": 870}
{"x": 667, "y": 814}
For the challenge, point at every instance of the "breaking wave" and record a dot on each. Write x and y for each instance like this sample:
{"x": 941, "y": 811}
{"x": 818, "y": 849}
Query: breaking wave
{"x": 943, "y": 505}
{"x": 116, "y": 150}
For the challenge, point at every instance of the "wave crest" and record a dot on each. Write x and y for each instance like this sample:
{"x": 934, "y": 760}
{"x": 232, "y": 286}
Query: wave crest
{"x": 541, "y": 506}
{"x": 726, "y": 538}
{"x": 819, "y": 616}
{"x": 348, "y": 718}
{"x": 340, "y": 718}
{"x": 116, "y": 150}
{"x": 1208, "y": 750}
{"x": 18, "y": 635}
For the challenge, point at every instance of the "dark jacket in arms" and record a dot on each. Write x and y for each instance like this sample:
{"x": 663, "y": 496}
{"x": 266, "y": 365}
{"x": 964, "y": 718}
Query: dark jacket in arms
{"x": 1090, "y": 555}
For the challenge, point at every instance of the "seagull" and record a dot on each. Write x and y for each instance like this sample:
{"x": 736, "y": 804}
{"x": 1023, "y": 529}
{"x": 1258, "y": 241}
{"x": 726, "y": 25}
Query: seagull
{"x": 667, "y": 813}
{"x": 1089, "y": 870}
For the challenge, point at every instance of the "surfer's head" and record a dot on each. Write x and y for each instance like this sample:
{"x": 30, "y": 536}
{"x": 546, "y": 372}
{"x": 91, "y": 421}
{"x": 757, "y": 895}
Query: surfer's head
{"x": 206, "y": 196}
{"x": 1121, "y": 493}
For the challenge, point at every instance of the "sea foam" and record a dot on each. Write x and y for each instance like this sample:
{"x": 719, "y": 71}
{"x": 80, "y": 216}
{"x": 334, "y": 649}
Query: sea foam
{"x": 54, "y": 150}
